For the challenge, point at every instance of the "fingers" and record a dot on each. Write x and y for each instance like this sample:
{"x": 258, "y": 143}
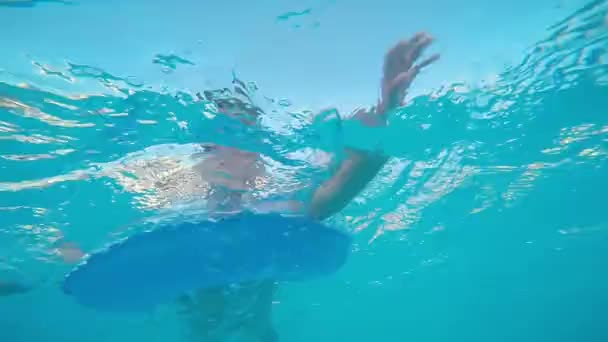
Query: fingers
{"x": 402, "y": 56}
{"x": 427, "y": 62}
{"x": 403, "y": 46}
{"x": 406, "y": 78}
{"x": 400, "y": 70}
{"x": 417, "y": 46}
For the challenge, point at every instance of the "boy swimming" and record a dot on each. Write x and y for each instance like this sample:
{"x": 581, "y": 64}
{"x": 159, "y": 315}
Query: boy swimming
{"x": 247, "y": 307}
{"x": 230, "y": 172}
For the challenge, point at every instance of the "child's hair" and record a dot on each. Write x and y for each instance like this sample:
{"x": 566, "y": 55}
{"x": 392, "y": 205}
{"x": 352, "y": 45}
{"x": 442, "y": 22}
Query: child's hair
{"x": 237, "y": 101}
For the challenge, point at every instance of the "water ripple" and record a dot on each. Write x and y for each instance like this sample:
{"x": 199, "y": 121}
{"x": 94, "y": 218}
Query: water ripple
{"x": 461, "y": 151}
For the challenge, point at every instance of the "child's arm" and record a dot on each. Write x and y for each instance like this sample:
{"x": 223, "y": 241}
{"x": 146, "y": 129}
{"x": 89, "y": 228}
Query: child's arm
{"x": 361, "y": 167}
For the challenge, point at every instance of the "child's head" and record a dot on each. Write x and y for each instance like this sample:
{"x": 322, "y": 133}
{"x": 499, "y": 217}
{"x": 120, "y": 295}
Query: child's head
{"x": 230, "y": 104}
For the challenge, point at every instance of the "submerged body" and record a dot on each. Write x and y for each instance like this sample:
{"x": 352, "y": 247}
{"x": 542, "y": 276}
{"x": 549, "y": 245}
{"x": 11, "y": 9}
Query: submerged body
{"x": 215, "y": 313}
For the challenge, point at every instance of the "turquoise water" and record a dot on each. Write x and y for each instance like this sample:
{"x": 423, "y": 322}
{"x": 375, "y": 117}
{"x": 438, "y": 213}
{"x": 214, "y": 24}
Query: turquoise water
{"x": 488, "y": 223}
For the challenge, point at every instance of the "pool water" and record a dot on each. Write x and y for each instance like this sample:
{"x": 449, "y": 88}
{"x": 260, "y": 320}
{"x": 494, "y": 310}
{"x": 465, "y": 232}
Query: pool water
{"x": 488, "y": 222}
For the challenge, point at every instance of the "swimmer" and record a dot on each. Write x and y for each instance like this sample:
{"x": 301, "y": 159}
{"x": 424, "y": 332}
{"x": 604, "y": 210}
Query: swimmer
{"x": 247, "y": 308}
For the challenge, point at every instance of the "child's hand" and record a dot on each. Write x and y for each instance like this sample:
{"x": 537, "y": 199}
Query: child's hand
{"x": 398, "y": 74}
{"x": 400, "y": 71}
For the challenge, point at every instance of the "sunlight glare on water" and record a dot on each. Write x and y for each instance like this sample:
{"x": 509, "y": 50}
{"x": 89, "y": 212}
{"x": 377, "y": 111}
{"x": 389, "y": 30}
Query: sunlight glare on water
{"x": 488, "y": 222}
